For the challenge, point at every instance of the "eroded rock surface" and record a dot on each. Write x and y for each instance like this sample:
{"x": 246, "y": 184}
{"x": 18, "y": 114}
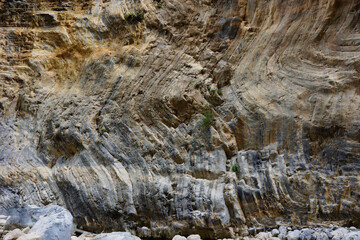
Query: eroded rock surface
{"x": 102, "y": 102}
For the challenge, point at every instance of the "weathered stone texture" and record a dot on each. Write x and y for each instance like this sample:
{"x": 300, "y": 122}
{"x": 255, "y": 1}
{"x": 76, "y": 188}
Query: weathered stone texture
{"x": 101, "y": 107}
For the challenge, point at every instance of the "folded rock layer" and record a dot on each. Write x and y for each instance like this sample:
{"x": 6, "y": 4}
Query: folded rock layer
{"x": 178, "y": 117}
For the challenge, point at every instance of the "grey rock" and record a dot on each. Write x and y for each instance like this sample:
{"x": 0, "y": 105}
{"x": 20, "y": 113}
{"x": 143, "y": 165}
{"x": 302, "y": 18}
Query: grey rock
{"x": 339, "y": 233}
{"x": 116, "y": 236}
{"x": 293, "y": 235}
{"x": 30, "y": 236}
{"x": 14, "y": 234}
{"x": 51, "y": 222}
{"x": 320, "y": 236}
{"x": 178, "y": 237}
{"x": 194, "y": 237}
{"x": 263, "y": 235}
{"x": 352, "y": 236}
{"x": 306, "y": 234}
{"x": 55, "y": 223}
{"x": 275, "y": 232}
{"x": 327, "y": 233}
{"x": 282, "y": 236}
{"x": 283, "y": 230}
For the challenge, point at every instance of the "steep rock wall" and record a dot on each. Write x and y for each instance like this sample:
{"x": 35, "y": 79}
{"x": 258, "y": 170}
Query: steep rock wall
{"x": 101, "y": 110}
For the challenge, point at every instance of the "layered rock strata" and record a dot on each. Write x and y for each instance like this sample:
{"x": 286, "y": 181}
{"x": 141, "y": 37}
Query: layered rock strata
{"x": 102, "y": 107}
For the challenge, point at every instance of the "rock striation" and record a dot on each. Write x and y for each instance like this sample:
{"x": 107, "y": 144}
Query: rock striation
{"x": 132, "y": 114}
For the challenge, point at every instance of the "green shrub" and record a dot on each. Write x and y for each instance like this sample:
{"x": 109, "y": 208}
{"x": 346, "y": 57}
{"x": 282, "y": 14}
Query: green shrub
{"x": 134, "y": 18}
{"x": 235, "y": 168}
{"x": 206, "y": 122}
{"x": 159, "y": 5}
{"x": 213, "y": 91}
{"x": 128, "y": 16}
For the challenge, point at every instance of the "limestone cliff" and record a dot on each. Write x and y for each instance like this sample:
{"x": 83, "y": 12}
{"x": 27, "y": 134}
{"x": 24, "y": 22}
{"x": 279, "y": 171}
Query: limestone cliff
{"x": 102, "y": 106}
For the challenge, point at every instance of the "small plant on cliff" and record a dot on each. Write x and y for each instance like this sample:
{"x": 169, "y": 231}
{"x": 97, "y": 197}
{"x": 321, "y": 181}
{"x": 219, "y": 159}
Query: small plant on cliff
{"x": 235, "y": 168}
{"x": 134, "y": 18}
{"x": 206, "y": 122}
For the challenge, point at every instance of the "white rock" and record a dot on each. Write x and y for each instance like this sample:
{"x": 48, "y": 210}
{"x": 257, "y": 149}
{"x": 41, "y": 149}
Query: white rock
{"x": 293, "y": 235}
{"x": 352, "y": 236}
{"x": 26, "y": 230}
{"x": 275, "y": 232}
{"x": 194, "y": 237}
{"x": 339, "y": 233}
{"x": 282, "y": 230}
{"x": 116, "y": 236}
{"x": 30, "y": 236}
{"x": 320, "y": 236}
{"x": 263, "y": 235}
{"x": 178, "y": 237}
{"x": 56, "y": 223}
{"x": 282, "y": 236}
{"x": 14, "y": 234}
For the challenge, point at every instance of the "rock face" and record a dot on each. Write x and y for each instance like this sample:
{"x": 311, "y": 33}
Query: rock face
{"x": 131, "y": 114}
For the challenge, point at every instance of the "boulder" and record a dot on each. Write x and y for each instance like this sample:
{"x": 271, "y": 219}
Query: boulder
{"x": 282, "y": 236}
{"x": 283, "y": 230}
{"x": 194, "y": 237}
{"x": 263, "y": 235}
{"x": 339, "y": 233}
{"x": 320, "y": 236}
{"x": 293, "y": 235}
{"x": 14, "y": 234}
{"x": 178, "y": 237}
{"x": 352, "y": 236}
{"x": 275, "y": 232}
{"x": 55, "y": 223}
{"x": 116, "y": 236}
{"x": 306, "y": 234}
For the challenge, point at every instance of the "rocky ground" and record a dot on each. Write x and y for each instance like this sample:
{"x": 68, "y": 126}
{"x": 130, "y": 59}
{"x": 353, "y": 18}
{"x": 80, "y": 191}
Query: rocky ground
{"x": 56, "y": 223}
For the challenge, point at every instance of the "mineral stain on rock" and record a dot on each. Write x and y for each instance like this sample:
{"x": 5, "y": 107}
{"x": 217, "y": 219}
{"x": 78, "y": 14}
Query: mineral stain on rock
{"x": 101, "y": 108}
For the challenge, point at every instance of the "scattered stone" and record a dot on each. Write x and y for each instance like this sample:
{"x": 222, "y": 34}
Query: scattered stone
{"x": 352, "y": 228}
{"x": 26, "y": 230}
{"x": 116, "y": 236}
{"x": 194, "y": 237}
{"x": 14, "y": 234}
{"x": 263, "y": 235}
{"x": 178, "y": 237}
{"x": 352, "y": 236}
{"x": 321, "y": 236}
{"x": 275, "y": 232}
{"x": 251, "y": 231}
{"x": 293, "y": 235}
{"x": 306, "y": 234}
{"x": 282, "y": 236}
{"x": 31, "y": 236}
{"x": 339, "y": 233}
{"x": 283, "y": 230}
